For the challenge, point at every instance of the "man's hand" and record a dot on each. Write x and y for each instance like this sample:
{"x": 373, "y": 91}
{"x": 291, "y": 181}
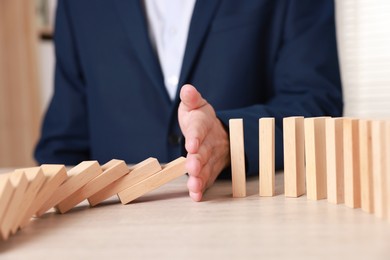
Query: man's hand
{"x": 207, "y": 142}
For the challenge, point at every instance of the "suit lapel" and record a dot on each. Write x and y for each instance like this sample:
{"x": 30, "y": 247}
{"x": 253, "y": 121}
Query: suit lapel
{"x": 203, "y": 14}
{"x": 131, "y": 14}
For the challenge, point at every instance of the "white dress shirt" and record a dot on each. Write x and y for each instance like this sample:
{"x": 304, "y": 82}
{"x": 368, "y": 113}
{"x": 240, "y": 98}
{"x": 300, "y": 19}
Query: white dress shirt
{"x": 168, "y": 25}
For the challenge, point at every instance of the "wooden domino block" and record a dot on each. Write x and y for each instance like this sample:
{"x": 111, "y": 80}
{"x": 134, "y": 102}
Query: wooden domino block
{"x": 55, "y": 175}
{"x": 237, "y": 153}
{"x": 169, "y": 172}
{"x": 334, "y": 160}
{"x": 112, "y": 171}
{"x": 315, "y": 154}
{"x": 6, "y": 192}
{"x": 379, "y": 167}
{"x": 267, "y": 157}
{"x": 365, "y": 159}
{"x": 294, "y": 156}
{"x": 139, "y": 172}
{"x": 352, "y": 194}
{"x": 35, "y": 179}
{"x": 387, "y": 140}
{"x": 19, "y": 182}
{"x": 79, "y": 176}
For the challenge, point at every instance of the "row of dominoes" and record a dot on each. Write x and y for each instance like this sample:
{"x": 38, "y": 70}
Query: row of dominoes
{"x": 33, "y": 191}
{"x": 345, "y": 160}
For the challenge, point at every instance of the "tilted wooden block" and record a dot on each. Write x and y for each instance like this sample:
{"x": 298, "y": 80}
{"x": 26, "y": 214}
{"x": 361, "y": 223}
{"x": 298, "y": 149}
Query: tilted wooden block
{"x": 334, "y": 160}
{"x": 19, "y": 182}
{"x": 6, "y": 193}
{"x": 237, "y": 155}
{"x": 267, "y": 157}
{"x": 113, "y": 170}
{"x": 365, "y": 159}
{"x": 139, "y": 172}
{"x": 169, "y": 172}
{"x": 55, "y": 175}
{"x": 379, "y": 167}
{"x": 78, "y": 177}
{"x": 315, "y": 154}
{"x": 294, "y": 156}
{"x": 35, "y": 179}
{"x": 352, "y": 194}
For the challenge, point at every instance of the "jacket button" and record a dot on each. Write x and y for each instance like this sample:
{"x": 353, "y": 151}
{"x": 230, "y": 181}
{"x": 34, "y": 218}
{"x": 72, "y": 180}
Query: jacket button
{"x": 174, "y": 139}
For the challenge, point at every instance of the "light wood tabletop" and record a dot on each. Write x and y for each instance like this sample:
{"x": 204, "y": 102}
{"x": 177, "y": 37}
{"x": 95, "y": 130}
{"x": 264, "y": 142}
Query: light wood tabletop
{"x": 166, "y": 224}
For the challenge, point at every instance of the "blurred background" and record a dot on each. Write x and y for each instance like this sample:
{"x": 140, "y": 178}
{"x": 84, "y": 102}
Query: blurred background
{"x": 27, "y": 65}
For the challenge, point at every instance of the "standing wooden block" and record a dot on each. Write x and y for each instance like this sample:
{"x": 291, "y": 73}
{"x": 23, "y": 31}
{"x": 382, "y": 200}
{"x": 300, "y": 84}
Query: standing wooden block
{"x": 267, "y": 157}
{"x": 169, "y": 172}
{"x": 55, "y": 175}
{"x": 237, "y": 155}
{"x": 112, "y": 171}
{"x": 365, "y": 158}
{"x": 140, "y": 171}
{"x": 19, "y": 182}
{"x": 294, "y": 156}
{"x": 352, "y": 194}
{"x": 78, "y": 177}
{"x": 6, "y": 192}
{"x": 379, "y": 167}
{"x": 388, "y": 168}
{"x": 334, "y": 160}
{"x": 35, "y": 179}
{"x": 315, "y": 154}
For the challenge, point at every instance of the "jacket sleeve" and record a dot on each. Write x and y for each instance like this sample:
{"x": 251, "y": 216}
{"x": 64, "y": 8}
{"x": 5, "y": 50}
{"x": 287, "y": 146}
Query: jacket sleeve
{"x": 306, "y": 78}
{"x": 64, "y": 134}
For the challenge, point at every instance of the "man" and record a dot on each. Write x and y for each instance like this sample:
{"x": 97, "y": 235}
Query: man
{"x": 117, "y": 77}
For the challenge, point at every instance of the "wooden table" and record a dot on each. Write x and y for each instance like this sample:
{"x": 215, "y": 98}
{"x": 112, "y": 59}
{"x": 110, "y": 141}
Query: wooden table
{"x": 166, "y": 224}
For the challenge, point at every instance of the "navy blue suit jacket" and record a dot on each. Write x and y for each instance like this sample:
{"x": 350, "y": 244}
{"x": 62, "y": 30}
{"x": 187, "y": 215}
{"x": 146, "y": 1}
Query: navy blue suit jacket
{"x": 249, "y": 59}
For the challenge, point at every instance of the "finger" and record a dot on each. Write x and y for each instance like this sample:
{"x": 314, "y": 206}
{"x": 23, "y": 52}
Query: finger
{"x": 196, "y": 196}
{"x": 195, "y": 133}
{"x": 191, "y": 98}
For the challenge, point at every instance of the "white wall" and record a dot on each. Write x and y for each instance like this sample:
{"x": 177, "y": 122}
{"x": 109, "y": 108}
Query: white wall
{"x": 363, "y": 30}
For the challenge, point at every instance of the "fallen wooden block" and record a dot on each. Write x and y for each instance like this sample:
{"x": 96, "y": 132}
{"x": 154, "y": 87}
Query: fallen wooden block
{"x": 6, "y": 193}
{"x": 315, "y": 154}
{"x": 365, "y": 159}
{"x": 55, "y": 175}
{"x": 19, "y": 182}
{"x": 294, "y": 156}
{"x": 266, "y": 157}
{"x": 334, "y": 160}
{"x": 237, "y": 155}
{"x": 78, "y": 177}
{"x": 352, "y": 194}
{"x": 139, "y": 172}
{"x": 169, "y": 172}
{"x": 112, "y": 171}
{"x": 35, "y": 179}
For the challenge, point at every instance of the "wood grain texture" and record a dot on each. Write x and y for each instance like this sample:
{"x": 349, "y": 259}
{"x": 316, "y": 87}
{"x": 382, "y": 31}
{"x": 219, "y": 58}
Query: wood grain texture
{"x": 237, "y": 157}
{"x": 294, "y": 156}
{"x": 35, "y": 179}
{"x": 55, "y": 175}
{"x": 19, "y": 182}
{"x": 267, "y": 157}
{"x": 112, "y": 171}
{"x": 169, "y": 172}
{"x": 138, "y": 173}
{"x": 6, "y": 193}
{"x": 79, "y": 176}
{"x": 334, "y": 160}
{"x": 315, "y": 155}
{"x": 379, "y": 167}
{"x": 365, "y": 159}
{"x": 352, "y": 194}
{"x": 387, "y": 140}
